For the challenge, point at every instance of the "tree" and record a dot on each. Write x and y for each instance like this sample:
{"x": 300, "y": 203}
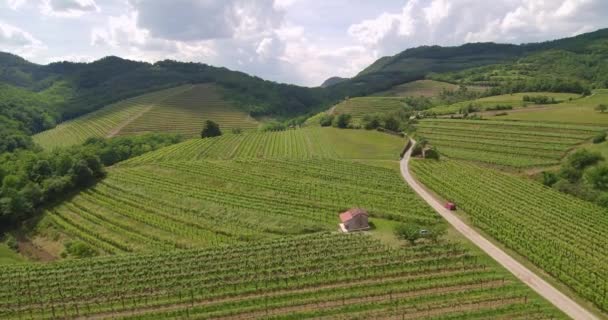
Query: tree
{"x": 584, "y": 158}
{"x": 342, "y": 121}
{"x": 211, "y": 129}
{"x": 326, "y": 120}
{"x": 601, "y": 108}
{"x": 392, "y": 124}
{"x": 598, "y": 177}
{"x": 409, "y": 232}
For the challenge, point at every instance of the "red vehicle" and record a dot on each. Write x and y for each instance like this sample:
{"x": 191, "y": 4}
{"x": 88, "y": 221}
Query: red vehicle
{"x": 450, "y": 206}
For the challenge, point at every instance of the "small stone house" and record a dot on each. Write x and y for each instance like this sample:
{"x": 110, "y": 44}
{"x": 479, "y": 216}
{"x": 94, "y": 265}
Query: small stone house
{"x": 354, "y": 219}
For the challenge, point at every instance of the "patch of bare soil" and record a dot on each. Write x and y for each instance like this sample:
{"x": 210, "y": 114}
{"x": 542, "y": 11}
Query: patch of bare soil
{"x": 32, "y": 251}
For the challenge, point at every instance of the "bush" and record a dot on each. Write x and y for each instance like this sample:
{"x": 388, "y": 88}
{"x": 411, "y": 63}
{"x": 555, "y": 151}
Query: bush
{"x": 80, "y": 249}
{"x": 417, "y": 151}
{"x": 600, "y": 138}
{"x": 236, "y": 130}
{"x": 432, "y": 153}
{"x": 211, "y": 129}
{"x": 273, "y": 126}
{"x": 11, "y": 242}
{"x": 409, "y": 232}
{"x": 549, "y": 178}
{"x": 584, "y": 158}
{"x": 342, "y": 121}
{"x": 326, "y": 120}
{"x": 598, "y": 177}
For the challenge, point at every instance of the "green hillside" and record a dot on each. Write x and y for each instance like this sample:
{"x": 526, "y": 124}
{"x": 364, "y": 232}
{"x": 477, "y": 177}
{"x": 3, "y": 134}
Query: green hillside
{"x": 505, "y": 143}
{"x": 422, "y": 88}
{"x": 359, "y": 107}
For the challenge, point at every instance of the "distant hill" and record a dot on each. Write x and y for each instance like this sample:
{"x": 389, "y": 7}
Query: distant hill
{"x": 331, "y": 81}
{"x": 580, "y": 58}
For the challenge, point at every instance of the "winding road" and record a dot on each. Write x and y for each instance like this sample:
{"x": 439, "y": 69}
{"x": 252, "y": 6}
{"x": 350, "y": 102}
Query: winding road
{"x": 556, "y": 297}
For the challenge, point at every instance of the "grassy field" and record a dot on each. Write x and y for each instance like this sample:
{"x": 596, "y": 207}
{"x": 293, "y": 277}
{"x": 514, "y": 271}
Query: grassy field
{"x": 304, "y": 143}
{"x": 322, "y": 275}
{"x": 559, "y": 233}
{"x": 186, "y": 112}
{"x": 181, "y": 110}
{"x": 424, "y": 88}
{"x": 8, "y": 256}
{"x": 578, "y": 111}
{"x": 515, "y": 100}
{"x": 505, "y": 143}
{"x": 103, "y": 122}
{"x": 359, "y": 107}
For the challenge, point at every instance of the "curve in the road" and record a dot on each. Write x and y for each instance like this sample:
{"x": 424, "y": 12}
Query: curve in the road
{"x": 546, "y": 290}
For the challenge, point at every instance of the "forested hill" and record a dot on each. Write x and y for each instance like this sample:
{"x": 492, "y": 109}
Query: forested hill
{"x": 36, "y": 97}
{"x": 581, "y": 58}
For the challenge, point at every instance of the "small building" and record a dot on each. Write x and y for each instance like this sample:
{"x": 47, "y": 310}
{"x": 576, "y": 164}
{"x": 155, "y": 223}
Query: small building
{"x": 355, "y": 219}
{"x": 450, "y": 206}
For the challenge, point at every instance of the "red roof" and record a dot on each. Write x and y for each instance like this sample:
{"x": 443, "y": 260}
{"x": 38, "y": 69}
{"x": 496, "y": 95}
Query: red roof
{"x": 345, "y": 216}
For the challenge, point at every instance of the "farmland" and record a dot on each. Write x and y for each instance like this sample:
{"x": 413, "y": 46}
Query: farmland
{"x": 185, "y": 113}
{"x": 101, "y": 123}
{"x": 580, "y": 111}
{"x": 514, "y": 100}
{"x": 360, "y": 106}
{"x": 505, "y": 143}
{"x": 424, "y": 88}
{"x": 180, "y": 110}
{"x": 560, "y": 234}
{"x": 327, "y": 275}
{"x": 305, "y": 143}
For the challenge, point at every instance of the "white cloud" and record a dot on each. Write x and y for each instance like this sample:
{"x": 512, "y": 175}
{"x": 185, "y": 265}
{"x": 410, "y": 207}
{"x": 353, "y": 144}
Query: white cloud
{"x": 19, "y": 41}
{"x": 68, "y": 8}
{"x": 15, "y": 4}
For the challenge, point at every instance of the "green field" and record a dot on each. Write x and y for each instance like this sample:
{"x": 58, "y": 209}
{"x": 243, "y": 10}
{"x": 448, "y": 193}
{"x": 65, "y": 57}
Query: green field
{"x": 180, "y": 110}
{"x": 101, "y": 123}
{"x": 359, "y": 107}
{"x": 515, "y": 100}
{"x": 505, "y": 143}
{"x": 8, "y": 256}
{"x": 424, "y": 88}
{"x": 185, "y": 113}
{"x": 304, "y": 143}
{"x": 564, "y": 236}
{"x": 580, "y": 111}
{"x": 322, "y": 275}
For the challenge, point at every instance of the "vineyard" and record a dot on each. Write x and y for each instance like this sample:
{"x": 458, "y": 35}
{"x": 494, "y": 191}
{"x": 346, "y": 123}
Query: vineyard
{"x": 514, "y": 100}
{"x": 360, "y": 106}
{"x": 175, "y": 204}
{"x": 103, "y": 122}
{"x": 564, "y": 236}
{"x": 424, "y": 88}
{"x": 322, "y": 275}
{"x": 305, "y": 143}
{"x": 505, "y": 143}
{"x": 186, "y": 112}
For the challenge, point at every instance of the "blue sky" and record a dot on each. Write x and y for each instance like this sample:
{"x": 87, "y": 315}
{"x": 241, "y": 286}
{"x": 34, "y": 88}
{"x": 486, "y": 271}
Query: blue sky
{"x": 294, "y": 41}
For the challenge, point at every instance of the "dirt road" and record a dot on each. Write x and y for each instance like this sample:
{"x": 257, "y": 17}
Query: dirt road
{"x": 560, "y": 300}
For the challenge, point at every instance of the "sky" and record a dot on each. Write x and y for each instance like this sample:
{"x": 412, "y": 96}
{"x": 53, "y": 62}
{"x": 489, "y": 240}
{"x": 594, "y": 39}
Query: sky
{"x": 294, "y": 41}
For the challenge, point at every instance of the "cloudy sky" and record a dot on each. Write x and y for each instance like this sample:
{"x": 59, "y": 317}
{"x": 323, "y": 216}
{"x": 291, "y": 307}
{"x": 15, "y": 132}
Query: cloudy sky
{"x": 293, "y": 41}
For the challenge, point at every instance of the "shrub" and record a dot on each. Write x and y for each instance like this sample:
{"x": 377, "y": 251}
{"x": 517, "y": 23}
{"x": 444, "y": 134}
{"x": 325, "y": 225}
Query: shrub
{"x": 600, "y": 138}
{"x": 598, "y": 177}
{"x": 273, "y": 126}
{"x": 237, "y": 130}
{"x": 211, "y": 129}
{"x": 417, "y": 151}
{"x": 409, "y": 232}
{"x": 342, "y": 121}
{"x": 80, "y": 249}
{"x": 549, "y": 178}
{"x": 432, "y": 153}
{"x": 11, "y": 242}
{"x": 326, "y": 120}
{"x": 584, "y": 158}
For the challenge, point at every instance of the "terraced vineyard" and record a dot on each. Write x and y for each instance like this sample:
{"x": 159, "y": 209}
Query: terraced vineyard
{"x": 176, "y": 204}
{"x": 103, "y": 122}
{"x": 515, "y": 100}
{"x": 425, "y": 88}
{"x": 186, "y": 112}
{"x": 561, "y": 234}
{"x": 505, "y": 143}
{"x": 294, "y": 144}
{"x": 322, "y": 275}
{"x": 360, "y": 106}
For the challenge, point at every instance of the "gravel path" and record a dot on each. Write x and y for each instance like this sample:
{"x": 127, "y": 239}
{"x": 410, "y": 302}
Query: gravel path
{"x": 556, "y": 297}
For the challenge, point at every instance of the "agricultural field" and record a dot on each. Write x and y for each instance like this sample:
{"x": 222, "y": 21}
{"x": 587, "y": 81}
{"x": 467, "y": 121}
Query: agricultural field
{"x": 511, "y": 144}
{"x": 321, "y": 275}
{"x": 360, "y": 106}
{"x": 164, "y": 205}
{"x": 424, "y": 88}
{"x": 580, "y": 111}
{"x": 514, "y": 100}
{"x": 561, "y": 234}
{"x": 101, "y": 123}
{"x": 307, "y": 143}
{"x": 185, "y": 113}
